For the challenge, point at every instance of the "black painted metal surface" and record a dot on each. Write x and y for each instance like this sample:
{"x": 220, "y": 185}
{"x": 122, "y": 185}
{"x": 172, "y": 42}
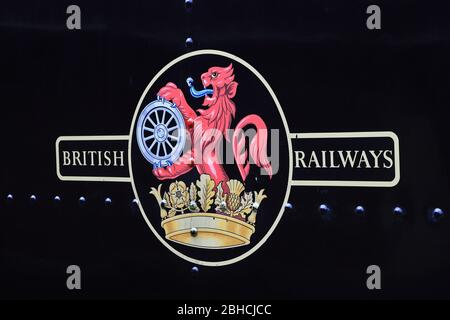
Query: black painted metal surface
{"x": 330, "y": 74}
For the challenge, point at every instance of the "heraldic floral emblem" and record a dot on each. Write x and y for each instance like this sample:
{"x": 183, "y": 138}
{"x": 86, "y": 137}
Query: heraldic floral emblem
{"x": 228, "y": 219}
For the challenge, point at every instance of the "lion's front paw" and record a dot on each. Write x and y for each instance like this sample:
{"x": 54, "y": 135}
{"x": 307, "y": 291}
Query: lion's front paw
{"x": 159, "y": 173}
{"x": 172, "y": 93}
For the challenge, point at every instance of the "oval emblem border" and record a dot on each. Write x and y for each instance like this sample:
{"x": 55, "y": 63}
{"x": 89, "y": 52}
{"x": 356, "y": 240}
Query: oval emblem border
{"x": 286, "y": 127}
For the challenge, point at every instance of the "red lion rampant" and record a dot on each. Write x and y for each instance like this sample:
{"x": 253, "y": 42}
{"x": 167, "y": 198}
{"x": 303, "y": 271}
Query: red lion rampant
{"x": 219, "y": 112}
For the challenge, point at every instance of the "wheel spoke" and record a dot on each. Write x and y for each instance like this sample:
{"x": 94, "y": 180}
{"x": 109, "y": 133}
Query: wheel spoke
{"x": 173, "y": 138}
{"x": 149, "y": 137}
{"x": 170, "y": 145}
{"x": 172, "y": 128}
{"x": 163, "y": 116}
{"x": 148, "y": 129}
{"x": 168, "y": 121}
{"x": 164, "y": 147}
{"x": 157, "y": 149}
{"x": 151, "y": 121}
{"x": 157, "y": 117}
{"x": 151, "y": 146}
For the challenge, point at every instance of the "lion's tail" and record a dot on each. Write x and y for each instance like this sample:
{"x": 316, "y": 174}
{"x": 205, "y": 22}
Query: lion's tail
{"x": 257, "y": 146}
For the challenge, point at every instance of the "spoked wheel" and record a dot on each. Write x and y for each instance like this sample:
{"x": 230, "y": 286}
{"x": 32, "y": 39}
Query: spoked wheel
{"x": 160, "y": 133}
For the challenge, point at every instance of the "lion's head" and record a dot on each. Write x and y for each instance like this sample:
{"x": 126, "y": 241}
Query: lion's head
{"x": 221, "y": 81}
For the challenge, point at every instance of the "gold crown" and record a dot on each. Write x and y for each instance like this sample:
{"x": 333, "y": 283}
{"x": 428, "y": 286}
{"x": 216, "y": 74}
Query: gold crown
{"x": 186, "y": 220}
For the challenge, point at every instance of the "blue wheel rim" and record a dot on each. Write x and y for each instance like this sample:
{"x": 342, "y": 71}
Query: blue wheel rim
{"x": 161, "y": 133}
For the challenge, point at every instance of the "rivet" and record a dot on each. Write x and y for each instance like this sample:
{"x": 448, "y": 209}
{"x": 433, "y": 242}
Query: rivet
{"x": 398, "y": 211}
{"x": 324, "y": 209}
{"x": 436, "y": 214}
{"x": 189, "y": 42}
{"x": 188, "y": 4}
{"x": 360, "y": 210}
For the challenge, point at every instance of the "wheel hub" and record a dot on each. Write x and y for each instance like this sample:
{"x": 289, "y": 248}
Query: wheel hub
{"x": 161, "y": 133}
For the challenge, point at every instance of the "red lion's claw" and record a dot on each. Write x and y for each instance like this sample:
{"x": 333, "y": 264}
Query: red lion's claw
{"x": 170, "y": 92}
{"x": 158, "y": 173}
{"x": 171, "y": 84}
